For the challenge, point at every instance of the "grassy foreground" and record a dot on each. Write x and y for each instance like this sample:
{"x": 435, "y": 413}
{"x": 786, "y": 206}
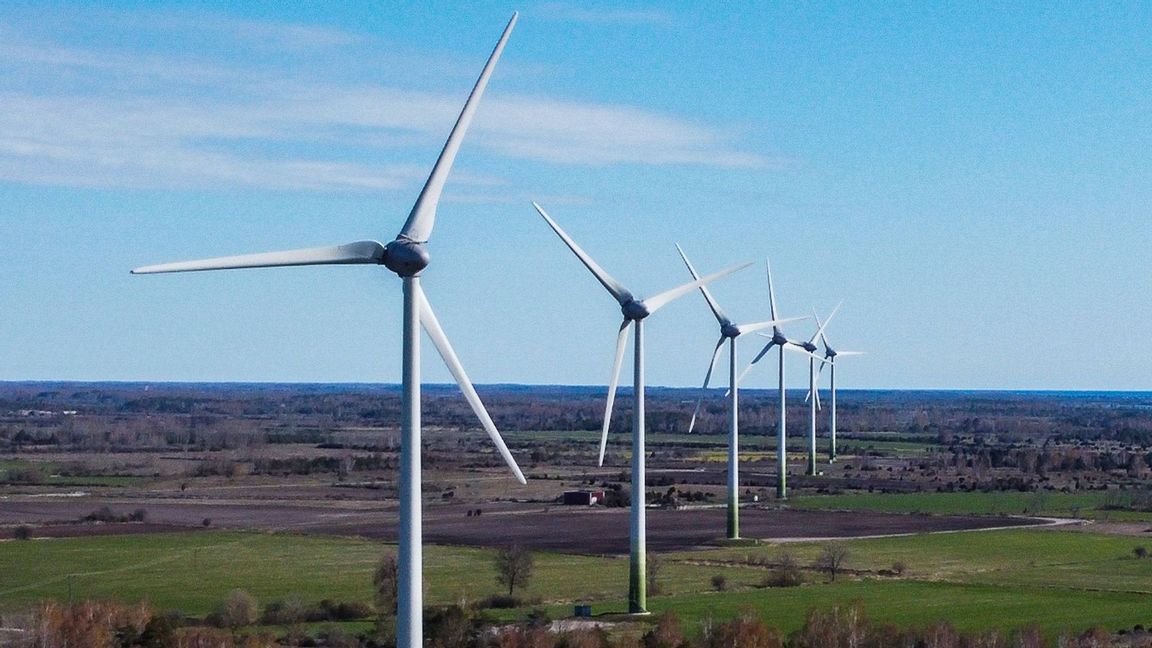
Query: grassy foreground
{"x": 1059, "y": 580}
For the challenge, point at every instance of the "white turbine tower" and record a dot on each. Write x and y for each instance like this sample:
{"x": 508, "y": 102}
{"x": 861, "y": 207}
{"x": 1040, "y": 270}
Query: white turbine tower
{"x": 778, "y": 339}
{"x": 407, "y": 257}
{"x": 813, "y": 397}
{"x": 634, "y": 310}
{"x": 729, "y": 332}
{"x": 830, "y": 356}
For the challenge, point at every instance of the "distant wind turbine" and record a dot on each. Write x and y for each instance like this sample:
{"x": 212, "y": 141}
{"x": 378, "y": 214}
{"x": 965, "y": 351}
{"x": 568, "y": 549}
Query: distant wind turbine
{"x": 729, "y": 332}
{"x": 634, "y": 310}
{"x": 813, "y": 397}
{"x": 407, "y": 257}
{"x": 830, "y": 356}
{"x": 777, "y": 339}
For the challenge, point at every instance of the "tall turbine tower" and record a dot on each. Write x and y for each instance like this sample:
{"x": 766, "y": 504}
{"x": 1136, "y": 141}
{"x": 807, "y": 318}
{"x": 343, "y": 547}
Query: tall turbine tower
{"x": 729, "y": 332}
{"x": 813, "y": 397}
{"x": 634, "y": 310}
{"x": 778, "y": 339}
{"x": 407, "y": 257}
{"x": 830, "y": 356}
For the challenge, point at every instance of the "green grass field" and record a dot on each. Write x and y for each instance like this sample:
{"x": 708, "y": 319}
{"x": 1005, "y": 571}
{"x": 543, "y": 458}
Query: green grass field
{"x": 1061, "y": 580}
{"x": 45, "y": 472}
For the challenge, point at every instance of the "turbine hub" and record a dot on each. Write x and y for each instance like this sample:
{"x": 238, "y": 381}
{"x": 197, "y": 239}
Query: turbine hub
{"x": 634, "y": 310}
{"x": 730, "y": 331}
{"x": 406, "y": 258}
{"x": 809, "y": 347}
{"x": 779, "y": 338}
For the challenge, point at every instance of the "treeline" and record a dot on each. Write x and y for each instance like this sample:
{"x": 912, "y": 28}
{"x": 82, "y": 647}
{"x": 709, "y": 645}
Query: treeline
{"x": 99, "y": 624}
{"x": 109, "y": 417}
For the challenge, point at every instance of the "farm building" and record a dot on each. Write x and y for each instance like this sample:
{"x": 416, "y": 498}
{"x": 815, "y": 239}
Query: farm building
{"x": 583, "y": 498}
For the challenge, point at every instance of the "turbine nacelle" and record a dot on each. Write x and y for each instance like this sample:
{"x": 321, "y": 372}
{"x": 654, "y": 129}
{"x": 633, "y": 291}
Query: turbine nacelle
{"x": 634, "y": 310}
{"x": 405, "y": 257}
{"x": 730, "y": 330}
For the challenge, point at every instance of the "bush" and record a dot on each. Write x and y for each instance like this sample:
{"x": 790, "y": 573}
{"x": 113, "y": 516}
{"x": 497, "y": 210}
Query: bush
{"x": 786, "y": 574}
{"x": 139, "y": 515}
{"x": 344, "y": 610}
{"x": 499, "y": 602}
{"x": 103, "y": 514}
{"x": 899, "y": 568}
{"x": 286, "y": 612}
{"x": 22, "y": 532}
{"x": 1140, "y": 552}
{"x": 720, "y": 582}
{"x": 236, "y": 611}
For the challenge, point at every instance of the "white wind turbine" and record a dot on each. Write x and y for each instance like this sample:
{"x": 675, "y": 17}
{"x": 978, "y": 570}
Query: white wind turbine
{"x": 729, "y": 332}
{"x": 830, "y": 356}
{"x": 813, "y": 397}
{"x": 634, "y": 310}
{"x": 407, "y": 257}
{"x": 778, "y": 339}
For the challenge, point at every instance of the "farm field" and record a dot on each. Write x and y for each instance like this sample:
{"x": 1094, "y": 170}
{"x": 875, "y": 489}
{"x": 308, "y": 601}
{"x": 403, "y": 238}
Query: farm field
{"x": 1059, "y": 580}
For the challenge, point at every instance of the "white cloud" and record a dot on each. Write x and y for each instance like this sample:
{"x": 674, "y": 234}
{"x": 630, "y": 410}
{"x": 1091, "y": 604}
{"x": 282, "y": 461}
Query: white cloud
{"x": 91, "y": 117}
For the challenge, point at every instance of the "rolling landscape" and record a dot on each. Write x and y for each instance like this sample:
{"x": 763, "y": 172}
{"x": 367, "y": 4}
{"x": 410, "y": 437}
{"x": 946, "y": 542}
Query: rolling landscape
{"x": 984, "y": 512}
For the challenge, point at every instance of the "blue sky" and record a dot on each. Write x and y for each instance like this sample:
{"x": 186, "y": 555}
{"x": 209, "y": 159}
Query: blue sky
{"x": 972, "y": 179}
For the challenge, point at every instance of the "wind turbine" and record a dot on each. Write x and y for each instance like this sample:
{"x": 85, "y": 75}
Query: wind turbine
{"x": 634, "y": 310}
{"x": 813, "y": 396}
{"x": 729, "y": 332}
{"x": 830, "y": 356}
{"x": 407, "y": 257}
{"x": 778, "y": 339}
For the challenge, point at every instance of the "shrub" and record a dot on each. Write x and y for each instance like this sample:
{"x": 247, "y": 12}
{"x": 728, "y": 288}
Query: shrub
{"x": 236, "y": 611}
{"x": 786, "y": 574}
{"x": 666, "y": 634}
{"x": 22, "y": 532}
{"x": 1140, "y": 552}
{"x": 899, "y": 568}
{"x": 499, "y": 602}
{"x": 720, "y": 582}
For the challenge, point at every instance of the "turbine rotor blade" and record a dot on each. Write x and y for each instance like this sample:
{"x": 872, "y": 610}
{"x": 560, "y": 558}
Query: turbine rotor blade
{"x": 802, "y": 351}
{"x": 655, "y": 303}
{"x": 771, "y": 292}
{"x": 720, "y": 316}
{"x": 418, "y": 227}
{"x": 760, "y": 326}
{"x": 820, "y": 327}
{"x": 851, "y": 353}
{"x": 763, "y": 352}
{"x": 707, "y": 379}
{"x": 621, "y": 342}
{"x": 820, "y": 369}
{"x": 365, "y": 252}
{"x": 618, "y": 291}
{"x": 440, "y": 341}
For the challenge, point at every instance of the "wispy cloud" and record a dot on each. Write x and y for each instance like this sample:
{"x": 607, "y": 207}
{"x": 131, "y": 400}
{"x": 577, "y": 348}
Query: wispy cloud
{"x": 93, "y": 117}
{"x": 573, "y": 13}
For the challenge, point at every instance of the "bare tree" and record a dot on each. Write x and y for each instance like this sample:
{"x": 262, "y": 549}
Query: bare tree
{"x": 831, "y": 559}
{"x": 652, "y": 573}
{"x": 386, "y": 581}
{"x": 513, "y": 567}
{"x": 238, "y": 610}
